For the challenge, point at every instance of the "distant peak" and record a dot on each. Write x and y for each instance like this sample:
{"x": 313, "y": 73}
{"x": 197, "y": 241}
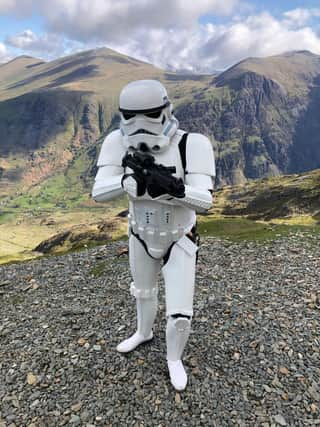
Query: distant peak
{"x": 99, "y": 51}
{"x": 299, "y": 52}
{"x": 23, "y": 58}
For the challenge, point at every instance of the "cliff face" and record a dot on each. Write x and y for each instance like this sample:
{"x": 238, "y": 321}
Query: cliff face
{"x": 261, "y": 129}
{"x": 304, "y": 152}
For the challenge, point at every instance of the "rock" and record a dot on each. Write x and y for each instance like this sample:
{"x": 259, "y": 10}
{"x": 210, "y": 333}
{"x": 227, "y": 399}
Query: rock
{"x": 283, "y": 370}
{"x": 76, "y": 407}
{"x": 31, "y": 378}
{"x": 75, "y": 419}
{"x": 279, "y": 419}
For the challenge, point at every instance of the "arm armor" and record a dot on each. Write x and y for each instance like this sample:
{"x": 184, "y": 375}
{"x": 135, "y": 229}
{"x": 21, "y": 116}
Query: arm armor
{"x": 200, "y": 173}
{"x": 107, "y": 184}
{"x": 198, "y": 194}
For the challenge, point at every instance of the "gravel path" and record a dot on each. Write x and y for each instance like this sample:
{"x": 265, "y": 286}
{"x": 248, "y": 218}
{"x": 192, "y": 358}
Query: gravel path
{"x": 253, "y": 358}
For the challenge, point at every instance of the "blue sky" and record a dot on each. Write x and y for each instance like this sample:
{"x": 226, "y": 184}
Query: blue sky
{"x": 10, "y": 24}
{"x": 197, "y": 36}
{"x": 283, "y": 5}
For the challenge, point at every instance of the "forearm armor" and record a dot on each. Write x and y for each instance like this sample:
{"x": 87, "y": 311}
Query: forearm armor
{"x": 198, "y": 190}
{"x": 196, "y": 198}
{"x": 107, "y": 184}
{"x": 107, "y": 190}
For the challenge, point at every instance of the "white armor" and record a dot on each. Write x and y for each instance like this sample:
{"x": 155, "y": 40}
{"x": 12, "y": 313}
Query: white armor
{"x": 152, "y": 123}
{"x": 159, "y": 227}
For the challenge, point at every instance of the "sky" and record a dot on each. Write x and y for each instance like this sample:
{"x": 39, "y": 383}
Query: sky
{"x": 184, "y": 35}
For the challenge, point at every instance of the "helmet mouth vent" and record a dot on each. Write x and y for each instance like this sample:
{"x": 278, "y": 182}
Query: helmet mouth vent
{"x": 143, "y": 147}
{"x": 143, "y": 131}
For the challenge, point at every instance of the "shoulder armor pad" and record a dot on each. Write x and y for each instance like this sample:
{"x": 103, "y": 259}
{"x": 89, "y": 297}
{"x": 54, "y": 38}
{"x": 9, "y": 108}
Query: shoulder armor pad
{"x": 112, "y": 150}
{"x": 199, "y": 155}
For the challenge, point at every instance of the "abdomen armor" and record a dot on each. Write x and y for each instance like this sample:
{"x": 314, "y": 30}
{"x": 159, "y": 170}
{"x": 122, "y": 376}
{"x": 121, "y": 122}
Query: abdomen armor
{"x": 159, "y": 224}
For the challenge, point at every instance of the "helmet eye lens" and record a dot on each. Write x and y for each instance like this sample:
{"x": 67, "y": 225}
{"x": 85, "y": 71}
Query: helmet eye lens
{"x": 128, "y": 116}
{"x": 154, "y": 115}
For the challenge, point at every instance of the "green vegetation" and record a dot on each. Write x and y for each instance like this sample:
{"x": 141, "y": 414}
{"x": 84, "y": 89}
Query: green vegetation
{"x": 58, "y": 191}
{"x": 102, "y": 268}
{"x": 6, "y": 216}
{"x": 238, "y": 229}
{"x": 254, "y": 139}
{"x": 99, "y": 269}
{"x": 258, "y": 210}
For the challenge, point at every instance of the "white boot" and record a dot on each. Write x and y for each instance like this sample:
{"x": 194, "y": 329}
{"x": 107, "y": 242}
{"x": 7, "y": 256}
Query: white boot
{"x": 178, "y": 331}
{"x": 146, "y": 313}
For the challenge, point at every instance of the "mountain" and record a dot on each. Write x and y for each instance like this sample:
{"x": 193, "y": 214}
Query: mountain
{"x": 53, "y": 113}
{"x": 293, "y": 71}
{"x": 262, "y": 115}
{"x": 17, "y": 69}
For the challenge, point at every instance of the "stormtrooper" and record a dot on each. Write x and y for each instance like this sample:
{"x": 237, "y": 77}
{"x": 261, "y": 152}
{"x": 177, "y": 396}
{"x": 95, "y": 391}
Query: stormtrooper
{"x": 168, "y": 176}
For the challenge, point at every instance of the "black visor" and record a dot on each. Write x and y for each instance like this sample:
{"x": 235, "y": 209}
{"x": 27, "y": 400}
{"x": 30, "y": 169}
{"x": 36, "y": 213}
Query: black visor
{"x": 150, "y": 112}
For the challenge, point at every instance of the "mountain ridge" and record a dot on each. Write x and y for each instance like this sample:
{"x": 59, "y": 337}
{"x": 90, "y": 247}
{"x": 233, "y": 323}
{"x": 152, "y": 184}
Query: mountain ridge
{"x": 257, "y": 122}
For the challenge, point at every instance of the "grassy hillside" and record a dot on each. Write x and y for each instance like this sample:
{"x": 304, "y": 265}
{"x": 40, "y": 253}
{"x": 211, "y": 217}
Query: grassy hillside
{"x": 281, "y": 197}
{"x": 265, "y": 118}
{"x": 259, "y": 210}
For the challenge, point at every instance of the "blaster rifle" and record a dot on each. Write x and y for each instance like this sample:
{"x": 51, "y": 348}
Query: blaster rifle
{"x": 158, "y": 179}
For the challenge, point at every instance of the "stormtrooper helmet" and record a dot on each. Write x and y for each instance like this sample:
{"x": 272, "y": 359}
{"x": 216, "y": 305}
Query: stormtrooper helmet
{"x": 147, "y": 122}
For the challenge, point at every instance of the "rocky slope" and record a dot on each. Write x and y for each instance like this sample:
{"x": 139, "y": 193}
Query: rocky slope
{"x": 252, "y": 357}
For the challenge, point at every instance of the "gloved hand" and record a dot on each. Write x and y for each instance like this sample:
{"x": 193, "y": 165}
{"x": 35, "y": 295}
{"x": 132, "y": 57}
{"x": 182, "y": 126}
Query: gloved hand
{"x": 169, "y": 185}
{"x": 133, "y": 185}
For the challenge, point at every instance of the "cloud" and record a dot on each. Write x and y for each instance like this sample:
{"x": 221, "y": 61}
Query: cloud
{"x": 30, "y": 41}
{"x": 260, "y": 35}
{"x": 169, "y": 33}
{"x": 4, "y": 54}
{"x": 111, "y": 21}
{"x": 211, "y": 47}
{"x": 26, "y": 39}
{"x": 300, "y": 16}
{"x": 48, "y": 45}
{"x": 16, "y": 7}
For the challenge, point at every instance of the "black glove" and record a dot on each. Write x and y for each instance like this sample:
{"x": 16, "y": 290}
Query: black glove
{"x": 172, "y": 186}
{"x": 141, "y": 183}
